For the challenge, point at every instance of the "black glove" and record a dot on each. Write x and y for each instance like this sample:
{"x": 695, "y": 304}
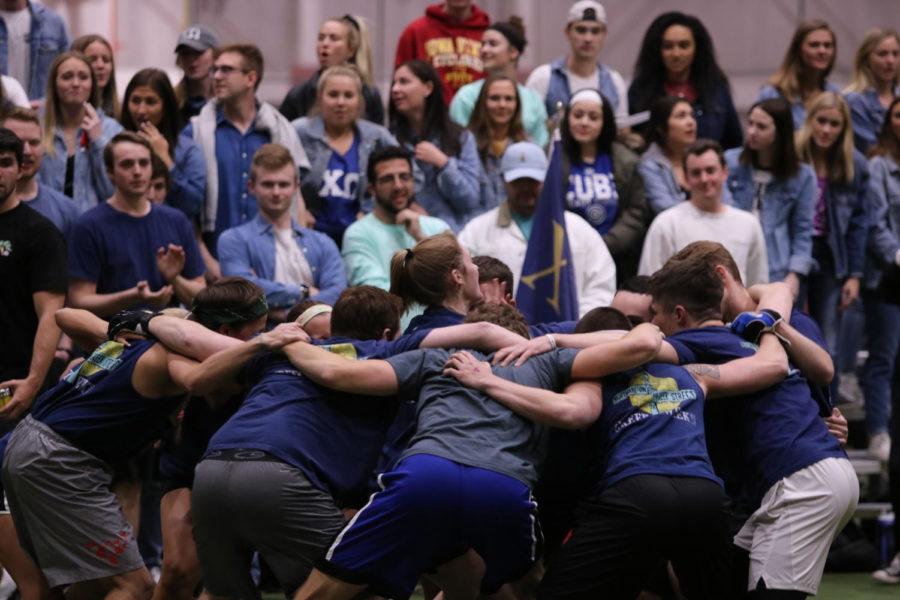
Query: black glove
{"x": 135, "y": 321}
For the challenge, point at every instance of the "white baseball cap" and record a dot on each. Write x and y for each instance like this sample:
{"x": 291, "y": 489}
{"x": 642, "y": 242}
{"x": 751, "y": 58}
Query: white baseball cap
{"x": 587, "y": 10}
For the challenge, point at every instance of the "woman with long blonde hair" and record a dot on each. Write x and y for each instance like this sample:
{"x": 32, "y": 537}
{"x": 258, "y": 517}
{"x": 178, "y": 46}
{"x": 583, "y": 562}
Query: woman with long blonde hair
{"x": 876, "y": 80}
{"x": 840, "y": 219}
{"x": 342, "y": 41}
{"x": 804, "y": 71}
{"x": 100, "y": 56}
{"x": 75, "y": 133}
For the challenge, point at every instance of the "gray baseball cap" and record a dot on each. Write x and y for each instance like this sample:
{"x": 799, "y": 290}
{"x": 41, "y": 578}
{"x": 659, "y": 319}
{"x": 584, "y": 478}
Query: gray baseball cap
{"x": 197, "y": 38}
{"x": 523, "y": 160}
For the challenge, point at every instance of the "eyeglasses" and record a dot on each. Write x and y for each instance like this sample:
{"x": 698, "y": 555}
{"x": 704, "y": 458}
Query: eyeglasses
{"x": 225, "y": 69}
{"x": 385, "y": 179}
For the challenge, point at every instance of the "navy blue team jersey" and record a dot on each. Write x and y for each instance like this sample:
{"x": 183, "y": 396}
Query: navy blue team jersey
{"x": 780, "y": 429}
{"x": 334, "y": 438}
{"x": 97, "y": 409}
{"x": 651, "y": 423}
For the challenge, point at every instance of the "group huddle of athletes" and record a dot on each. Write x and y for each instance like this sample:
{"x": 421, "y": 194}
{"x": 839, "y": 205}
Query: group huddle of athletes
{"x": 688, "y": 452}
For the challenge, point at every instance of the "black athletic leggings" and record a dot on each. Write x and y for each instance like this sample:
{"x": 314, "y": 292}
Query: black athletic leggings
{"x": 621, "y": 533}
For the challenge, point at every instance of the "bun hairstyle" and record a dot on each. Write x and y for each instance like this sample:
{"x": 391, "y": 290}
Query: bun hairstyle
{"x": 513, "y": 30}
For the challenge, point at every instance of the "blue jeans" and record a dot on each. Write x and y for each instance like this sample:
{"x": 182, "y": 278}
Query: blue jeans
{"x": 824, "y": 295}
{"x": 883, "y": 327}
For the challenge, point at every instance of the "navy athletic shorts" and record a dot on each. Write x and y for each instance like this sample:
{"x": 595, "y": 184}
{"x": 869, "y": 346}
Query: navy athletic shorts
{"x": 431, "y": 510}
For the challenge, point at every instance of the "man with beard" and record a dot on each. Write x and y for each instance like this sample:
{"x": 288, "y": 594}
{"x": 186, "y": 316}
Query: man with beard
{"x": 53, "y": 205}
{"x": 127, "y": 252}
{"x": 289, "y": 262}
{"x": 392, "y": 225}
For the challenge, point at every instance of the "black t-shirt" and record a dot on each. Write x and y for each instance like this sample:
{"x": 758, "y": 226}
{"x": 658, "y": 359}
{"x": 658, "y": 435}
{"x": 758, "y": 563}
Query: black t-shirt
{"x": 32, "y": 259}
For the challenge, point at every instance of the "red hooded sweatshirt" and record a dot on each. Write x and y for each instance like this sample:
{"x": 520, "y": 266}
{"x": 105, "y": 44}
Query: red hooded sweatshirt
{"x": 452, "y": 47}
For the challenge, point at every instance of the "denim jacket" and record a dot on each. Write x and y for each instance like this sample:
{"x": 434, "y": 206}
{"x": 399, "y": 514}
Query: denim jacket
{"x": 90, "y": 184}
{"x": 798, "y": 107}
{"x": 660, "y": 187}
{"x": 848, "y": 220}
{"x": 867, "y": 114}
{"x": 248, "y": 251}
{"x": 188, "y": 174}
{"x": 311, "y": 131}
{"x": 558, "y": 89}
{"x": 452, "y": 193}
{"x": 48, "y": 39}
{"x": 786, "y": 215}
{"x": 884, "y": 214}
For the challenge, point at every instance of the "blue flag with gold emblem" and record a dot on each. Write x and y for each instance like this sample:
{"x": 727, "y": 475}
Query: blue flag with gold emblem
{"x": 547, "y": 291}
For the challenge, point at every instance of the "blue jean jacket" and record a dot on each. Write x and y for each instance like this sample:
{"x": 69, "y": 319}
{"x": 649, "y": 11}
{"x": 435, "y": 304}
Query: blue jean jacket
{"x": 188, "y": 174}
{"x": 453, "y": 193}
{"x": 884, "y": 215}
{"x": 48, "y": 39}
{"x": 847, "y": 208}
{"x": 90, "y": 184}
{"x": 660, "y": 187}
{"x": 798, "y": 107}
{"x": 311, "y": 131}
{"x": 786, "y": 216}
{"x": 867, "y": 114}
{"x": 558, "y": 88}
{"x": 248, "y": 251}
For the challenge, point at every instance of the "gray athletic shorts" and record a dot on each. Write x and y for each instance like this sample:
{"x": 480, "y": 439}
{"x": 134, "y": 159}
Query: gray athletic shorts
{"x": 248, "y": 501}
{"x": 66, "y": 516}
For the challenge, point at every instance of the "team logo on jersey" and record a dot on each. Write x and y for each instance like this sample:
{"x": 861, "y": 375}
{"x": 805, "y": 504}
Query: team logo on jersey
{"x": 105, "y": 358}
{"x": 344, "y": 349}
{"x": 654, "y": 395}
{"x": 5, "y": 247}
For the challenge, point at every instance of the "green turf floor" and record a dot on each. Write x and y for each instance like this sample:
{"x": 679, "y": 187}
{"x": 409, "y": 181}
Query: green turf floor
{"x": 844, "y": 586}
{"x": 855, "y": 586}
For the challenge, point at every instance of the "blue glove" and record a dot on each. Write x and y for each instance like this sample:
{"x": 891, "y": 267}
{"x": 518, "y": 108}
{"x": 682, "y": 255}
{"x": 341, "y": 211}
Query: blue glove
{"x": 751, "y": 325}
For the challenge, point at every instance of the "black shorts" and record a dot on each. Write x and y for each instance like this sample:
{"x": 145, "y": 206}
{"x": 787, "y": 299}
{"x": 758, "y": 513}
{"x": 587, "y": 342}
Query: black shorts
{"x": 622, "y": 532}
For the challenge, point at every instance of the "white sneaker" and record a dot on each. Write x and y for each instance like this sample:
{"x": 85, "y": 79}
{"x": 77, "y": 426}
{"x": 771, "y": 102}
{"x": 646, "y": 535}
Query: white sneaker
{"x": 7, "y": 586}
{"x": 880, "y": 446}
{"x": 890, "y": 574}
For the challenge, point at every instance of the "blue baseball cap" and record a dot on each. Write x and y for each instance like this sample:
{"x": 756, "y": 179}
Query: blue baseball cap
{"x": 523, "y": 160}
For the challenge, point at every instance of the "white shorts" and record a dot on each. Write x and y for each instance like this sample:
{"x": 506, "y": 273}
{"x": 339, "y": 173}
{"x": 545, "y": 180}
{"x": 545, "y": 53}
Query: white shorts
{"x": 788, "y": 537}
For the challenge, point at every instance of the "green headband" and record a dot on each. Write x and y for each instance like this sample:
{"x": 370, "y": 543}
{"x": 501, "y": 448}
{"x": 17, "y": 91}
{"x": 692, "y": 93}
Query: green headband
{"x": 214, "y": 317}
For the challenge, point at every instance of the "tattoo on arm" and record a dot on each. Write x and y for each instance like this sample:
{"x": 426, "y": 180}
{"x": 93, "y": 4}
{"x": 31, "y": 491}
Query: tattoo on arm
{"x": 711, "y": 371}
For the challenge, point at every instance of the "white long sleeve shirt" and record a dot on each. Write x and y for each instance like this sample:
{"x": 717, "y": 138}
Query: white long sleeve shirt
{"x": 739, "y": 231}
{"x": 495, "y": 234}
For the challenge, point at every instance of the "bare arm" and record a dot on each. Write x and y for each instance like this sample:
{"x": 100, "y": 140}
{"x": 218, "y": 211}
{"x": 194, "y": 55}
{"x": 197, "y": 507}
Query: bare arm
{"x": 577, "y": 407}
{"x": 189, "y": 338}
{"x": 767, "y": 367}
{"x": 216, "y": 377}
{"x": 44, "y": 347}
{"x": 523, "y": 350}
{"x": 813, "y": 361}
{"x": 85, "y": 328}
{"x": 479, "y": 336}
{"x": 83, "y": 294}
{"x": 640, "y": 345}
{"x": 369, "y": 377}
{"x": 185, "y": 289}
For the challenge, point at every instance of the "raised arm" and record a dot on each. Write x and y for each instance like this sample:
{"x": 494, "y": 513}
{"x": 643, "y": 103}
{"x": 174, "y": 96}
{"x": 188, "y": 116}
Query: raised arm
{"x": 369, "y": 377}
{"x": 577, "y": 407}
{"x": 84, "y": 327}
{"x": 813, "y": 360}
